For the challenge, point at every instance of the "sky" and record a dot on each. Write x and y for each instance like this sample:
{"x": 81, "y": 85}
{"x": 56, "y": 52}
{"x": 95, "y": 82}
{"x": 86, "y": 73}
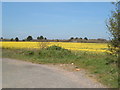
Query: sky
{"x": 0, "y": 19}
{"x": 55, "y": 20}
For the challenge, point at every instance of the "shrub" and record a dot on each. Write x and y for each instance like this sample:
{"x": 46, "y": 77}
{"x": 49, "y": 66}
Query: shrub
{"x": 54, "y": 48}
{"x": 55, "y": 52}
{"x": 110, "y": 60}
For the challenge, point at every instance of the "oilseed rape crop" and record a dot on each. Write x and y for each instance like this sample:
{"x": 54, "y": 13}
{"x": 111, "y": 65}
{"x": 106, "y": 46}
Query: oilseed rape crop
{"x": 98, "y": 47}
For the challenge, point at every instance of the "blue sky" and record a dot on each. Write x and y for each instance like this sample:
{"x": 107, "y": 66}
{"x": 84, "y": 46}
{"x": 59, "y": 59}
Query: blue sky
{"x": 55, "y": 20}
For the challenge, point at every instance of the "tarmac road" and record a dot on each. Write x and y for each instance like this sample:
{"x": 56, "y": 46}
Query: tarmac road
{"x": 21, "y": 74}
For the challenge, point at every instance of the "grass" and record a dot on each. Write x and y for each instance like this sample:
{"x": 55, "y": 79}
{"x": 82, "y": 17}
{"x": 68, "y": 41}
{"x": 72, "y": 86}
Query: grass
{"x": 100, "y": 64}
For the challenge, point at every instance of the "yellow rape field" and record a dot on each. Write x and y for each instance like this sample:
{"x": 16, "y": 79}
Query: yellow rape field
{"x": 98, "y": 47}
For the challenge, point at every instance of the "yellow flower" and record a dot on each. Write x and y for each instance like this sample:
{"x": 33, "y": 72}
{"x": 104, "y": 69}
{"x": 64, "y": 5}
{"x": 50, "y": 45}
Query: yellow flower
{"x": 97, "y": 47}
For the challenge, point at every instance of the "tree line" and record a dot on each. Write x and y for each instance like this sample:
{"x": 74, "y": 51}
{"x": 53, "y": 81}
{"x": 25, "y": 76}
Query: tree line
{"x": 78, "y": 38}
{"x": 30, "y": 38}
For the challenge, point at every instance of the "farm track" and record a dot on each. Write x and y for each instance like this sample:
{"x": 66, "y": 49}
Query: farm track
{"x": 21, "y": 74}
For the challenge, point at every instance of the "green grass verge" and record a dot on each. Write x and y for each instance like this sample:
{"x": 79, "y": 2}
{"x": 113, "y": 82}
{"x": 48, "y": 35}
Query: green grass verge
{"x": 100, "y": 64}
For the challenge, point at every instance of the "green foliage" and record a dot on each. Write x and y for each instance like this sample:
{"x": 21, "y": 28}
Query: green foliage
{"x": 11, "y": 39}
{"x": 1, "y": 38}
{"x": 55, "y": 52}
{"x": 80, "y": 38}
{"x": 29, "y": 38}
{"x": 113, "y": 26}
{"x": 86, "y": 38}
{"x": 110, "y": 60}
{"x": 71, "y": 38}
{"x": 100, "y": 64}
{"x": 38, "y": 38}
{"x": 29, "y": 53}
{"x": 55, "y": 48}
{"x": 41, "y": 38}
{"x": 45, "y": 38}
{"x": 23, "y": 40}
{"x": 76, "y": 38}
{"x": 16, "y": 39}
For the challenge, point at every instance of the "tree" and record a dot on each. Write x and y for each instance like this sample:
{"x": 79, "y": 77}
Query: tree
{"x": 45, "y": 38}
{"x": 2, "y": 38}
{"x": 86, "y": 38}
{"x": 23, "y": 40}
{"x": 57, "y": 40}
{"x": 76, "y": 38}
{"x": 11, "y": 39}
{"x": 38, "y": 38}
{"x": 41, "y": 37}
{"x": 81, "y": 38}
{"x": 29, "y": 38}
{"x": 16, "y": 39}
{"x": 113, "y": 25}
{"x": 71, "y": 38}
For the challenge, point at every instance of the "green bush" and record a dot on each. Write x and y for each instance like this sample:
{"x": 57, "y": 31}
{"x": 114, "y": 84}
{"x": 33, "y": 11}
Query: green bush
{"x": 110, "y": 60}
{"x": 54, "y": 48}
{"x": 55, "y": 52}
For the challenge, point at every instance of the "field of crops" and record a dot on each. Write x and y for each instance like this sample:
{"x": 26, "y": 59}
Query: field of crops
{"x": 98, "y": 47}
